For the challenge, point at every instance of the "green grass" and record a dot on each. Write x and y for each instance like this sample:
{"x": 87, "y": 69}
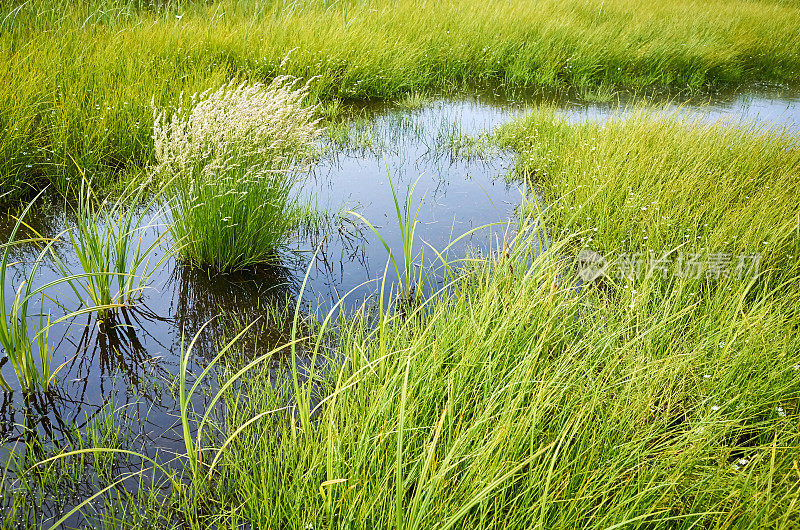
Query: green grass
{"x": 106, "y": 237}
{"x": 36, "y": 493}
{"x": 233, "y": 222}
{"x": 655, "y": 182}
{"x": 26, "y": 347}
{"x": 500, "y": 408}
{"x": 104, "y": 241}
{"x": 407, "y": 281}
{"x": 77, "y": 79}
{"x": 510, "y": 400}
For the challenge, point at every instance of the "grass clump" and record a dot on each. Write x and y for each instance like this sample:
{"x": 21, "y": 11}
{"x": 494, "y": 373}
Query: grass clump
{"x": 114, "y": 269}
{"x": 231, "y": 158}
{"x": 25, "y": 347}
{"x": 107, "y": 239}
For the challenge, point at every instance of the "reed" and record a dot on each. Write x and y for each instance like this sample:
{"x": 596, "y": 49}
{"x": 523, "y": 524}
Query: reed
{"x": 409, "y": 285}
{"x": 25, "y": 346}
{"x": 107, "y": 239}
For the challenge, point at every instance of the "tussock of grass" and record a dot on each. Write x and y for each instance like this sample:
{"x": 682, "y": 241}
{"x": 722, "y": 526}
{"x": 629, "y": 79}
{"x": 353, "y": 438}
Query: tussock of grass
{"x": 107, "y": 240}
{"x": 230, "y": 160}
{"x": 76, "y": 79}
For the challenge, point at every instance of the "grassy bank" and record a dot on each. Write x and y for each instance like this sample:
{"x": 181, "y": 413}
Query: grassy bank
{"x": 511, "y": 400}
{"x": 653, "y": 182}
{"x": 77, "y": 78}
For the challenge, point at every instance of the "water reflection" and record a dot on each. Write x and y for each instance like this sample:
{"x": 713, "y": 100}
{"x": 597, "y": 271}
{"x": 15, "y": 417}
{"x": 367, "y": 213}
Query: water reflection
{"x": 228, "y": 300}
{"x": 118, "y": 344}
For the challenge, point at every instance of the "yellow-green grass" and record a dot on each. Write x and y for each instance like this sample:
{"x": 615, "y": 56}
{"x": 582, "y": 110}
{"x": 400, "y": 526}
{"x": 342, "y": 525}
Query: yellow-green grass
{"x": 654, "y": 181}
{"x": 517, "y": 404}
{"x": 77, "y": 78}
{"x": 514, "y": 401}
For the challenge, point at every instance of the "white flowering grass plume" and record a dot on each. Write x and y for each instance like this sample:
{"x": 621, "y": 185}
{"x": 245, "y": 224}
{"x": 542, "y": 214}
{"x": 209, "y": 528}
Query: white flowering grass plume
{"x": 233, "y": 155}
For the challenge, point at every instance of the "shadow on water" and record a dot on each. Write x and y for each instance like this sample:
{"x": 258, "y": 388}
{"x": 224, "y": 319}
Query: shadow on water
{"x": 129, "y": 361}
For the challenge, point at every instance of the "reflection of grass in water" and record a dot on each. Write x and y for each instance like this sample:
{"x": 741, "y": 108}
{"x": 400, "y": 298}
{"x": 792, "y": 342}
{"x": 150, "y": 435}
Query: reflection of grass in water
{"x": 599, "y": 94}
{"x": 36, "y": 495}
{"x": 204, "y": 296}
{"x": 121, "y": 344}
{"x": 272, "y": 329}
{"x": 414, "y": 100}
{"x": 394, "y": 131}
{"x": 371, "y": 134}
